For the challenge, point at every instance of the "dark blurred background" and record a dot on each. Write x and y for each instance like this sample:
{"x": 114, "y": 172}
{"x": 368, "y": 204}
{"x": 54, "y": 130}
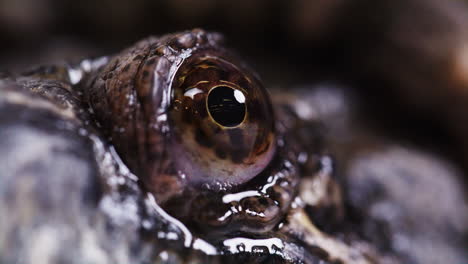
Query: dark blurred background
{"x": 274, "y": 34}
{"x": 300, "y": 38}
{"x": 404, "y": 61}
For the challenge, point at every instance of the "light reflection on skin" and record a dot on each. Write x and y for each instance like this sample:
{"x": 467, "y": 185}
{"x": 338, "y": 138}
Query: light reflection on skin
{"x": 240, "y": 244}
{"x": 237, "y": 197}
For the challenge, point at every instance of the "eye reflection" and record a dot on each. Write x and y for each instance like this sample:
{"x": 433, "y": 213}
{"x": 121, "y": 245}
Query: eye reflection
{"x": 226, "y": 106}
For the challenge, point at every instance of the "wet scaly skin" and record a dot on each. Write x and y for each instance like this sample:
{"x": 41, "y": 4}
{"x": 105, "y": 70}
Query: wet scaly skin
{"x": 188, "y": 161}
{"x": 202, "y": 188}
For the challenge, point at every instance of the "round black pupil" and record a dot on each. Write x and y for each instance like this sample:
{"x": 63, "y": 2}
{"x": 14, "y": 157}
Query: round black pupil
{"x": 226, "y": 106}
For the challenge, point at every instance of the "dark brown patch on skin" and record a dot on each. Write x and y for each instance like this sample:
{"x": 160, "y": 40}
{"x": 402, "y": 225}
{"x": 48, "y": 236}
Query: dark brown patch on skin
{"x": 150, "y": 61}
{"x": 187, "y": 117}
{"x": 145, "y": 74}
{"x": 263, "y": 201}
{"x": 220, "y": 153}
{"x": 211, "y": 217}
{"x": 137, "y": 58}
{"x": 321, "y": 253}
{"x": 202, "y": 139}
{"x": 203, "y": 114}
{"x": 125, "y": 69}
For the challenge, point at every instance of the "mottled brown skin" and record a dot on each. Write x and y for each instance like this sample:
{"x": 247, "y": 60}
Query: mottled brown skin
{"x": 138, "y": 100}
{"x": 373, "y": 49}
{"x": 128, "y": 101}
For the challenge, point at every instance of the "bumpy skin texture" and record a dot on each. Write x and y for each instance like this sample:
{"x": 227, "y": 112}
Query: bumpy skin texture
{"x": 135, "y": 99}
{"x": 143, "y": 210}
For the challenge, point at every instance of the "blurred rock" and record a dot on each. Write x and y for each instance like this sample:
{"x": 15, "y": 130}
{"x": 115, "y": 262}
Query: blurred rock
{"x": 48, "y": 184}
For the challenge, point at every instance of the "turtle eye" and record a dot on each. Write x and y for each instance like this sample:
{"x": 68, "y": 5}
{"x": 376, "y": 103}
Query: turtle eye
{"x": 222, "y": 121}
